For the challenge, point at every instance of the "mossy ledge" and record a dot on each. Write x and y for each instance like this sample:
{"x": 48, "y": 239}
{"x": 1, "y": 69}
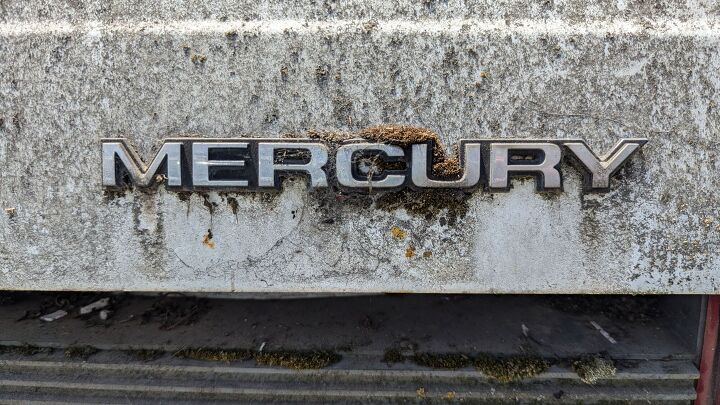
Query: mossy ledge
{"x": 510, "y": 368}
{"x": 504, "y": 369}
{"x": 294, "y": 359}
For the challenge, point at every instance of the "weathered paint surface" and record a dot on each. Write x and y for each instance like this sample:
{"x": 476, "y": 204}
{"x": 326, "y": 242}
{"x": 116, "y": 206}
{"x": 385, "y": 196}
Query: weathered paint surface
{"x": 72, "y": 73}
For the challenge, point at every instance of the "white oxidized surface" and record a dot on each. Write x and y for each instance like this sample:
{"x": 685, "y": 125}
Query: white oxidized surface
{"x": 74, "y": 72}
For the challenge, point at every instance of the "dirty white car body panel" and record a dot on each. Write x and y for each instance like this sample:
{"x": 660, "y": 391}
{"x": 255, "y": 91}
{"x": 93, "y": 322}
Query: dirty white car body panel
{"x": 146, "y": 71}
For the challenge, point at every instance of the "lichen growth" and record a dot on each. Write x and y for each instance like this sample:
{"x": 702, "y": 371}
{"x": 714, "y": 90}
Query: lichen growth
{"x": 595, "y": 368}
{"x": 510, "y": 368}
{"x": 442, "y": 360}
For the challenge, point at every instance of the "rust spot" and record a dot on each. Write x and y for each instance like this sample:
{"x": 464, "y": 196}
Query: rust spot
{"x": 198, "y": 58}
{"x": 207, "y": 239}
{"x": 427, "y": 254}
{"x": 409, "y": 252}
{"x": 397, "y": 232}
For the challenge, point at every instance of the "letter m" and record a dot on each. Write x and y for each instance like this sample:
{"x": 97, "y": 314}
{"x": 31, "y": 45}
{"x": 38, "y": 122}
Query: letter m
{"x": 116, "y": 152}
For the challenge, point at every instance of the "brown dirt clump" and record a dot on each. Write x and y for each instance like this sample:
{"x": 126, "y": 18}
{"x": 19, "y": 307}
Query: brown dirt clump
{"x": 401, "y": 135}
{"x": 328, "y": 136}
{"x": 442, "y": 360}
{"x": 510, "y": 368}
{"x": 447, "y": 168}
{"x": 298, "y": 360}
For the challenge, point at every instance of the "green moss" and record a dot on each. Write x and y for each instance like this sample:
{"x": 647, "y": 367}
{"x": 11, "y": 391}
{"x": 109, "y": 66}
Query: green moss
{"x": 284, "y": 358}
{"x": 24, "y": 349}
{"x": 392, "y": 356}
{"x": 592, "y": 369}
{"x": 298, "y": 360}
{"x": 80, "y": 352}
{"x": 214, "y": 354}
{"x": 510, "y": 368}
{"x": 442, "y": 360}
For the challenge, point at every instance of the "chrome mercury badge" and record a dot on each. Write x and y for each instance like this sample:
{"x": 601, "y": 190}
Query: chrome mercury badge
{"x": 254, "y": 163}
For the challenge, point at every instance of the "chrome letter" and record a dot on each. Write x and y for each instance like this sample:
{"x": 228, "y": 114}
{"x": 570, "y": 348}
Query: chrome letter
{"x": 344, "y": 164}
{"x": 201, "y": 164}
{"x": 267, "y": 166}
{"x": 471, "y": 169}
{"x": 141, "y": 175}
{"x": 602, "y": 167}
{"x": 500, "y": 164}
